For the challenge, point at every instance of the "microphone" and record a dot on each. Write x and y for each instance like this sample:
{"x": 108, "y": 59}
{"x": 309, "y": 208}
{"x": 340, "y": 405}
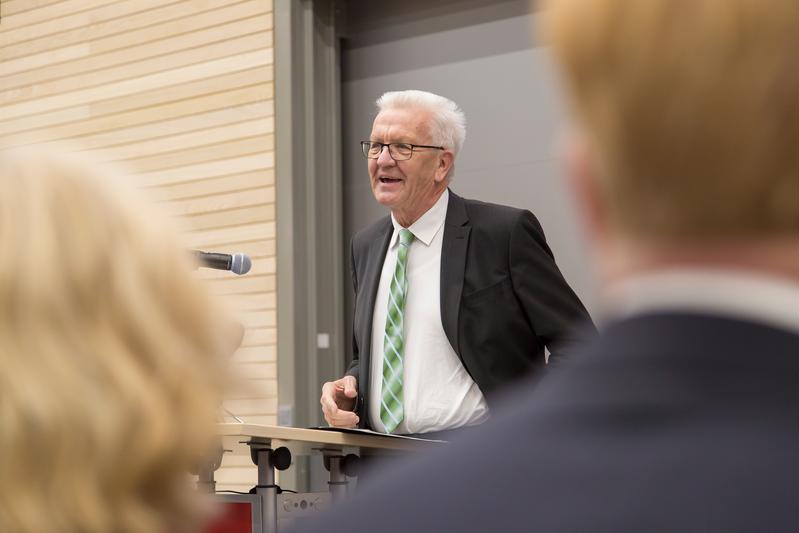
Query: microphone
{"x": 237, "y": 263}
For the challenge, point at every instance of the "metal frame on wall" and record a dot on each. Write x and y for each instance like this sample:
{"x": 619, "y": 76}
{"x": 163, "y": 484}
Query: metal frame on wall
{"x": 310, "y": 326}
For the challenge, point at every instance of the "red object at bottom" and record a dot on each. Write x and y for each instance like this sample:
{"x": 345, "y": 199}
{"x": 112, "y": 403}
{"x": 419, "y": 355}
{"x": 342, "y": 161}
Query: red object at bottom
{"x": 233, "y": 517}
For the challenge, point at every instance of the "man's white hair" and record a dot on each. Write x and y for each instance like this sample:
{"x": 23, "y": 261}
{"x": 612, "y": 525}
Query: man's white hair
{"x": 448, "y": 123}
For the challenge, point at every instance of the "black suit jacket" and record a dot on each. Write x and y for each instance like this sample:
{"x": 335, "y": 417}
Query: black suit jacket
{"x": 502, "y": 296}
{"x": 670, "y": 422}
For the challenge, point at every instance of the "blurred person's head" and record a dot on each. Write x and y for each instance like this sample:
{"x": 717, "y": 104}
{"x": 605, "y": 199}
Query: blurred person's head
{"x": 426, "y": 132}
{"x": 110, "y": 367}
{"x": 686, "y": 138}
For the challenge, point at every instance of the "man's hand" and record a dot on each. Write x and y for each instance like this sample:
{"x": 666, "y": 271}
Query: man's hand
{"x": 338, "y": 401}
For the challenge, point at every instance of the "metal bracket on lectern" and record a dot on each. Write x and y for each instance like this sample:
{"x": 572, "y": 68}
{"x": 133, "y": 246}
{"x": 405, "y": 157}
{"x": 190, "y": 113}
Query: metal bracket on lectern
{"x": 340, "y": 467}
{"x": 349, "y": 464}
{"x": 280, "y": 458}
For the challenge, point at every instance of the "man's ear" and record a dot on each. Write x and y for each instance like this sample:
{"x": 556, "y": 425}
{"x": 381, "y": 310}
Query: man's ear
{"x": 445, "y": 162}
{"x": 581, "y": 170}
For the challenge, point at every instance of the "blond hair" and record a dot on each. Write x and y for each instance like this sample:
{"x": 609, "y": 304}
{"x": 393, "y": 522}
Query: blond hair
{"x": 109, "y": 356}
{"x": 692, "y": 108}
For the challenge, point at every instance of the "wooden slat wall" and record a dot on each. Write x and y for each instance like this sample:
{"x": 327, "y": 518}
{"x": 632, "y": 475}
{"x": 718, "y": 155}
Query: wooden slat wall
{"x": 181, "y": 93}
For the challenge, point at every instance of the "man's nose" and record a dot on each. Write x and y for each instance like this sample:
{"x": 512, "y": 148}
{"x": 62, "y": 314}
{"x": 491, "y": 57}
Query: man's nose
{"x": 385, "y": 159}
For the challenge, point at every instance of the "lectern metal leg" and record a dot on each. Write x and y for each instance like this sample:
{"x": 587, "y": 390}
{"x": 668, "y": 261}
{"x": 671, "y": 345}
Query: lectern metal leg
{"x": 267, "y": 490}
{"x": 205, "y": 474}
{"x": 206, "y": 482}
{"x": 338, "y": 480}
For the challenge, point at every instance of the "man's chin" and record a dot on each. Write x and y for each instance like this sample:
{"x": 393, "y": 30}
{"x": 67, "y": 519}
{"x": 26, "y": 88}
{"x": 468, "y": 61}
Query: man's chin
{"x": 387, "y": 199}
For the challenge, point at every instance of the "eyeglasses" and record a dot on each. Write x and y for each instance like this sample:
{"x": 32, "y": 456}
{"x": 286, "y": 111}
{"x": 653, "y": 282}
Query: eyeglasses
{"x": 397, "y": 151}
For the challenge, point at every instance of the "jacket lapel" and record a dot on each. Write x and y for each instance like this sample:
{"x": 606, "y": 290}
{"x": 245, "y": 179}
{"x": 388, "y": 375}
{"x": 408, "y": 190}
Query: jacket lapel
{"x": 376, "y": 254}
{"x": 453, "y": 266}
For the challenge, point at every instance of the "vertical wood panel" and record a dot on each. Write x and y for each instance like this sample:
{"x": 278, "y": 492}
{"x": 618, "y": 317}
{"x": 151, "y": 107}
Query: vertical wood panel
{"x": 180, "y": 92}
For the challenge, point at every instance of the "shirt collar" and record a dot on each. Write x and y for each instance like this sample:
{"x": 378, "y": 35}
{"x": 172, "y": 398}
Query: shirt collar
{"x": 736, "y": 293}
{"x": 425, "y": 229}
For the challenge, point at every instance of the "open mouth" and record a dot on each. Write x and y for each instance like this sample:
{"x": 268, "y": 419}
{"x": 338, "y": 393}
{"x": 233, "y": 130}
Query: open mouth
{"x": 386, "y": 179}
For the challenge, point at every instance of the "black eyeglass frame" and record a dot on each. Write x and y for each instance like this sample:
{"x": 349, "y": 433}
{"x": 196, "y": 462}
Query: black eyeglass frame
{"x": 365, "y": 145}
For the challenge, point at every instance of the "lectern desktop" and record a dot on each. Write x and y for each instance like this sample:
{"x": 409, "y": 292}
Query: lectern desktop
{"x": 271, "y": 448}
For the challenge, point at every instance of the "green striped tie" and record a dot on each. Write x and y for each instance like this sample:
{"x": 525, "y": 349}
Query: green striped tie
{"x": 391, "y": 409}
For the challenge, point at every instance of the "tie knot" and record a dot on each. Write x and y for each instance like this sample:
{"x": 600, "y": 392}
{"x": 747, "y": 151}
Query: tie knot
{"x": 405, "y": 237}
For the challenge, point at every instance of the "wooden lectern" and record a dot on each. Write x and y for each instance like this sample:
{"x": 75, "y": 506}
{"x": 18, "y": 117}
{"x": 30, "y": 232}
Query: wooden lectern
{"x": 271, "y": 448}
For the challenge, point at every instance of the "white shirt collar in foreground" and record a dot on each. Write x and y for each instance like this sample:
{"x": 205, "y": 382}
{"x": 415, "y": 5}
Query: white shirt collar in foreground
{"x": 428, "y": 224}
{"x": 738, "y": 294}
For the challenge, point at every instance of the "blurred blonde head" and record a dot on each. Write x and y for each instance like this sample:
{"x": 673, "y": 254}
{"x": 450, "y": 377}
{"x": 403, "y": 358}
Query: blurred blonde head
{"x": 109, "y": 355}
{"x": 690, "y": 110}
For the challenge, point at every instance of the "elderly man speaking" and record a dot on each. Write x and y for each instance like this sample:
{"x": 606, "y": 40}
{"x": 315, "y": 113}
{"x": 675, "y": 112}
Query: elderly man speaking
{"x": 454, "y": 297}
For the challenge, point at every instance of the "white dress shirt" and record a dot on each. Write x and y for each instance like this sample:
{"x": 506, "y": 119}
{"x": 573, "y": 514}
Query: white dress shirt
{"x": 735, "y": 293}
{"x": 438, "y": 392}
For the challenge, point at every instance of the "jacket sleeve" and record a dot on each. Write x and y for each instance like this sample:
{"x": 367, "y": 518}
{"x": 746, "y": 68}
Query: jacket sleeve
{"x": 553, "y": 310}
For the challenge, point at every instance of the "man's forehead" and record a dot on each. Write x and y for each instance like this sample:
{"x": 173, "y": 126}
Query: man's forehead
{"x": 398, "y": 122}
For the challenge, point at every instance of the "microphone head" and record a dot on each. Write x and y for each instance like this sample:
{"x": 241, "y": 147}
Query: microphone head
{"x": 240, "y": 264}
